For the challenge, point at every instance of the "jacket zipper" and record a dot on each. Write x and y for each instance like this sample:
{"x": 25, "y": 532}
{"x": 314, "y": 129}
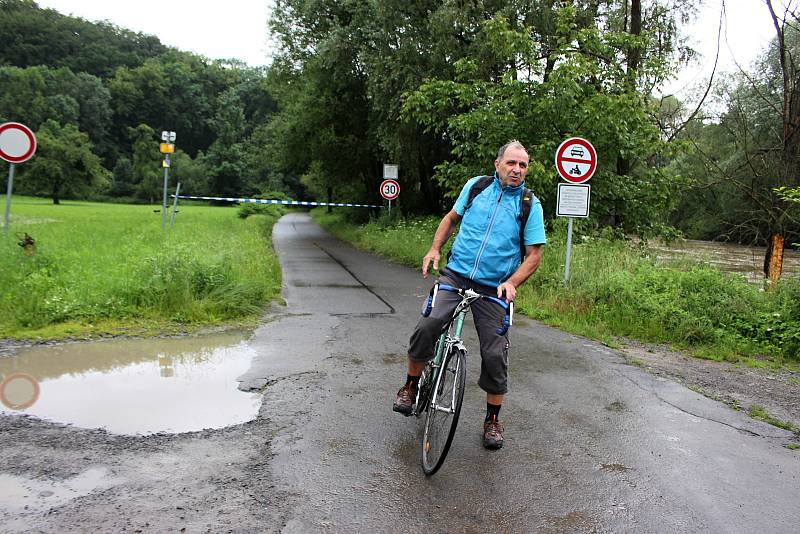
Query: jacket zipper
{"x": 486, "y": 237}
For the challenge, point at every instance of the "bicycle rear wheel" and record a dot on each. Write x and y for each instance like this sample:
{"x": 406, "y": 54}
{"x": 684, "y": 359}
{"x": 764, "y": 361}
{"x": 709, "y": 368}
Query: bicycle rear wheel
{"x": 442, "y": 416}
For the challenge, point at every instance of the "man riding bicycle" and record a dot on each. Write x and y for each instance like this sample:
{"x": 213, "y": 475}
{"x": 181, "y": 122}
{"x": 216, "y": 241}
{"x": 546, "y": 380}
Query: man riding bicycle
{"x": 485, "y": 257}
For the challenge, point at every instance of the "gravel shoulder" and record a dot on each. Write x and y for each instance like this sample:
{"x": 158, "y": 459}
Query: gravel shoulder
{"x": 775, "y": 390}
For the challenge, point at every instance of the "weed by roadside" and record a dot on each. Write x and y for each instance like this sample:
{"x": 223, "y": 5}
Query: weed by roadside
{"x": 758, "y": 412}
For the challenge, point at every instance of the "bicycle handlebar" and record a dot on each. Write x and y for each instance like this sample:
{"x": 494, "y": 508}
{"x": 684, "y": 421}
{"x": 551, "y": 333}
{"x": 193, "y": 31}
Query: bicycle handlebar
{"x": 474, "y": 295}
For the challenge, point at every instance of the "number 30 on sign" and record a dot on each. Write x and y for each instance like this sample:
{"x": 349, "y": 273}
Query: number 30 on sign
{"x": 390, "y": 189}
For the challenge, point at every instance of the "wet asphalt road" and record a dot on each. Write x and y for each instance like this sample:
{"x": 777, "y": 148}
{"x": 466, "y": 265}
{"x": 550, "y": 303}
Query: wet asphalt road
{"x": 592, "y": 444}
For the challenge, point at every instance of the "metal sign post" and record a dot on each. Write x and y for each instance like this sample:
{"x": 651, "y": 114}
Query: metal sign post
{"x": 17, "y": 144}
{"x": 576, "y": 161}
{"x": 390, "y": 189}
{"x": 174, "y": 205}
{"x": 166, "y": 148}
{"x": 573, "y": 201}
{"x": 164, "y": 200}
{"x": 568, "y": 257}
{"x": 9, "y": 188}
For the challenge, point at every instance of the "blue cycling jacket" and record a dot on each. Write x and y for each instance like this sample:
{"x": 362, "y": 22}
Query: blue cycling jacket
{"x": 486, "y": 248}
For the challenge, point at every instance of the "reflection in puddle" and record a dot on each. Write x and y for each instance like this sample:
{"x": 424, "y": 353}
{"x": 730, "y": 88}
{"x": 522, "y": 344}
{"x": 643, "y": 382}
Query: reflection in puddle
{"x": 140, "y": 386}
{"x": 19, "y": 494}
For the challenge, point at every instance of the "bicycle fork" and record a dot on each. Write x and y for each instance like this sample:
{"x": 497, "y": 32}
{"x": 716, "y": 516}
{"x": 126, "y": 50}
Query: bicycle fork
{"x": 439, "y": 378}
{"x": 446, "y": 345}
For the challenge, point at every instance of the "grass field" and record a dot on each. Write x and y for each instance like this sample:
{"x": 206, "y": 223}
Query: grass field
{"x": 109, "y": 268}
{"x": 617, "y": 289}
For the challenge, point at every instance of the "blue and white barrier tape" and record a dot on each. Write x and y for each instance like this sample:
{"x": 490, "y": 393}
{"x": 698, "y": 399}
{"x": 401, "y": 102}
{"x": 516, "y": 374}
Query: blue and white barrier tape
{"x": 288, "y": 202}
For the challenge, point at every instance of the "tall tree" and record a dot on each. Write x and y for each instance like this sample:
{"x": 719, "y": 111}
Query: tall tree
{"x": 588, "y": 91}
{"x": 789, "y": 148}
{"x": 146, "y": 161}
{"x": 64, "y": 165}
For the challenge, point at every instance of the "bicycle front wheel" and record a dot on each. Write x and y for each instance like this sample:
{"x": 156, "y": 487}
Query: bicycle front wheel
{"x": 443, "y": 410}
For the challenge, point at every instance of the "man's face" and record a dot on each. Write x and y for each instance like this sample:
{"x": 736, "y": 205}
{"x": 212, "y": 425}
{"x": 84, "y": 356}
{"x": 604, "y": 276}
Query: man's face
{"x": 513, "y": 167}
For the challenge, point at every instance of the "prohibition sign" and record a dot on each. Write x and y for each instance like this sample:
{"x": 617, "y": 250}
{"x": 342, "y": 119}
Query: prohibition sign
{"x": 576, "y": 160}
{"x": 17, "y": 142}
{"x": 390, "y": 189}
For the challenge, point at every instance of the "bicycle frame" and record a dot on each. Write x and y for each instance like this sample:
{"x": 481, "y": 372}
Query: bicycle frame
{"x": 450, "y": 337}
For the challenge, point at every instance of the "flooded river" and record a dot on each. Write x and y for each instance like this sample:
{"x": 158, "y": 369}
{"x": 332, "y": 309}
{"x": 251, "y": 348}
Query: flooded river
{"x": 741, "y": 259}
{"x": 133, "y": 386}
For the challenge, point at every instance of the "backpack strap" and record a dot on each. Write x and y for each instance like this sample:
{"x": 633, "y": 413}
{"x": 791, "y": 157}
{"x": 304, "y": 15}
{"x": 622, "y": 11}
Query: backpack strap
{"x": 481, "y": 184}
{"x": 526, "y": 202}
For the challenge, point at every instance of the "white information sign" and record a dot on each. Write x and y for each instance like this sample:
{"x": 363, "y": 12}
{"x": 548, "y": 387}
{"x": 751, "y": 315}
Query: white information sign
{"x": 390, "y": 172}
{"x": 573, "y": 200}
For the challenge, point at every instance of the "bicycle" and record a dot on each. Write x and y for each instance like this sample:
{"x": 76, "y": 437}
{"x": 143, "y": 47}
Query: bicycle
{"x": 441, "y": 385}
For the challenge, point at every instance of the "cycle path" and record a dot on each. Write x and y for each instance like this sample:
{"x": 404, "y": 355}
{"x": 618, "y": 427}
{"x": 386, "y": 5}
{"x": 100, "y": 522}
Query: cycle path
{"x": 592, "y": 444}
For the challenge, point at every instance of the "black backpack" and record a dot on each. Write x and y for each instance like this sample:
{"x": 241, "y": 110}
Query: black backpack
{"x": 527, "y": 201}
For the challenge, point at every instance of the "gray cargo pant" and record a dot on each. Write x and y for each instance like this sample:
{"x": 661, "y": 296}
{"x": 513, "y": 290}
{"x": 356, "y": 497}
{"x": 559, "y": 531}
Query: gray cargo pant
{"x": 487, "y": 315}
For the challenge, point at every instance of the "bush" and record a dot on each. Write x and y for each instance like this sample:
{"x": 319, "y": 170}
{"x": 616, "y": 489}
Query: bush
{"x": 698, "y": 305}
{"x": 271, "y": 210}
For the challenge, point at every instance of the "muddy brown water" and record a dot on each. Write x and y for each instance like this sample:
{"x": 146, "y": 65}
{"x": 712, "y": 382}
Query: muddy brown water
{"x": 133, "y": 386}
{"x": 728, "y": 257}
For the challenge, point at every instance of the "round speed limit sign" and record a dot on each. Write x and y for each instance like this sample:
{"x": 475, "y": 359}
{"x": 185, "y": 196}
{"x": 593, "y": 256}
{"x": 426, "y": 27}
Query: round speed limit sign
{"x": 390, "y": 189}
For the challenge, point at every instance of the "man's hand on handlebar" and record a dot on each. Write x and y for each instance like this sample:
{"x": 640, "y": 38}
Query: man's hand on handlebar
{"x": 507, "y": 292}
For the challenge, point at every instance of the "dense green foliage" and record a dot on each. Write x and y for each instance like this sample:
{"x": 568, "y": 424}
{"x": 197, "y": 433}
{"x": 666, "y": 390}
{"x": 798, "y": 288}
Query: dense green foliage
{"x": 437, "y": 87}
{"x": 34, "y": 37}
{"x": 434, "y": 86}
{"x": 121, "y": 89}
{"x": 65, "y": 164}
{"x": 95, "y": 264}
{"x": 586, "y": 92}
{"x": 617, "y": 289}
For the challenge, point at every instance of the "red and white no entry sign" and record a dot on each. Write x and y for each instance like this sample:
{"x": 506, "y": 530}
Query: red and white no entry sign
{"x": 576, "y": 160}
{"x": 390, "y": 189}
{"x": 17, "y": 142}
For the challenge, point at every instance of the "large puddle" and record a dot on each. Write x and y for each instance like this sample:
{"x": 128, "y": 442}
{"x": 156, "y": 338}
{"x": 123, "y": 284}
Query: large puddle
{"x": 133, "y": 386}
